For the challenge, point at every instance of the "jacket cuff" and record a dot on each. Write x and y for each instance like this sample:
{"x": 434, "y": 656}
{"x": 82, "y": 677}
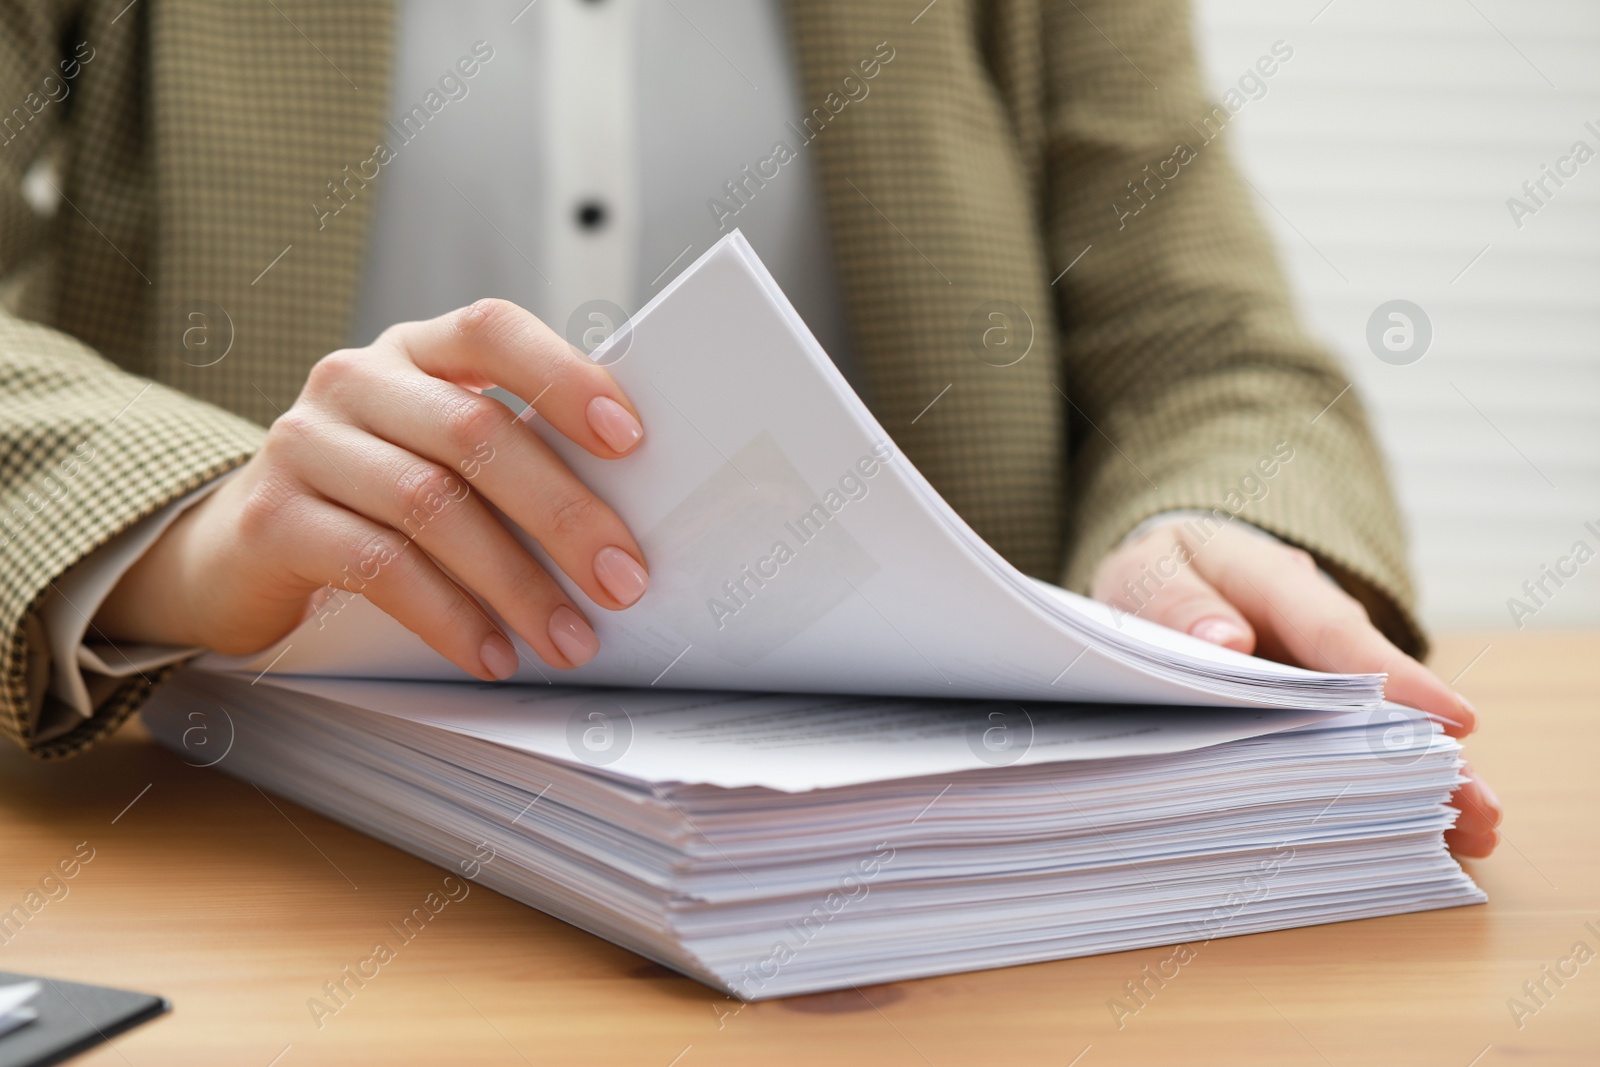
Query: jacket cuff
{"x": 73, "y": 485}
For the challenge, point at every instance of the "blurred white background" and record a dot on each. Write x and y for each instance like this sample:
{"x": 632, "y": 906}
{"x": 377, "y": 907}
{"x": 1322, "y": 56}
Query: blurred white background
{"x": 1383, "y": 154}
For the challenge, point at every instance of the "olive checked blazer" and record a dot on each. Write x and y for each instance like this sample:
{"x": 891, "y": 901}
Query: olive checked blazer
{"x": 993, "y": 165}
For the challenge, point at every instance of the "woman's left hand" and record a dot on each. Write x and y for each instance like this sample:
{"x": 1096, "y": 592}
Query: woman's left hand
{"x": 1253, "y": 594}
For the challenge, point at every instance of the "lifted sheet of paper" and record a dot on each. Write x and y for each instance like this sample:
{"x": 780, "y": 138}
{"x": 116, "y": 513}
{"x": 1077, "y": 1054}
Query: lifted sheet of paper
{"x": 793, "y": 547}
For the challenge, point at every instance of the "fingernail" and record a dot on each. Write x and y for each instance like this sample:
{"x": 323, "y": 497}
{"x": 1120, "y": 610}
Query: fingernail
{"x": 621, "y": 574}
{"x": 614, "y": 423}
{"x": 573, "y": 636}
{"x": 498, "y": 657}
{"x": 1466, "y": 705}
{"x": 1218, "y": 631}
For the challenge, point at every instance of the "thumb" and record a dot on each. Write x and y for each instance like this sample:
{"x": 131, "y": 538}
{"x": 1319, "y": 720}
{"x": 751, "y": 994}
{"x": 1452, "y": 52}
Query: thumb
{"x": 1190, "y": 604}
{"x": 1154, "y": 580}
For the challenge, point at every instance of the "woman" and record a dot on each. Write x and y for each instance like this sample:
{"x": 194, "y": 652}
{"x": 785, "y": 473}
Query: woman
{"x": 219, "y": 217}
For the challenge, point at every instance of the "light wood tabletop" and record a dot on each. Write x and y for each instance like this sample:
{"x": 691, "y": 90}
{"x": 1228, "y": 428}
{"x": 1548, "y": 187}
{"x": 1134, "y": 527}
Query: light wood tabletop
{"x": 238, "y": 907}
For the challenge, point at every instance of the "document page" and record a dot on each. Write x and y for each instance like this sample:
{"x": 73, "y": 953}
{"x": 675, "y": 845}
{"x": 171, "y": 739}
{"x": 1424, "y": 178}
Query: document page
{"x": 791, "y": 743}
{"x": 792, "y": 547}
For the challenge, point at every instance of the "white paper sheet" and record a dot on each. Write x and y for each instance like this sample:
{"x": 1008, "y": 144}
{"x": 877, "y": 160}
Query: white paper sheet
{"x": 793, "y": 743}
{"x": 794, "y": 548}
{"x": 14, "y": 1009}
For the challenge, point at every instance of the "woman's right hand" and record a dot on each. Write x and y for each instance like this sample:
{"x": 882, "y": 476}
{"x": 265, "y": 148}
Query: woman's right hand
{"x": 370, "y": 484}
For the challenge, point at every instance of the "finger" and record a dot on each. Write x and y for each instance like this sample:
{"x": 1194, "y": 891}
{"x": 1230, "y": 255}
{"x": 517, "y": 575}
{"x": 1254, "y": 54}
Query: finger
{"x": 1153, "y": 578}
{"x": 1471, "y": 846}
{"x": 1473, "y": 819}
{"x": 1302, "y": 617}
{"x": 435, "y": 508}
{"x": 1480, "y": 808}
{"x": 516, "y": 471}
{"x": 496, "y": 342}
{"x": 1412, "y": 684}
{"x": 358, "y": 556}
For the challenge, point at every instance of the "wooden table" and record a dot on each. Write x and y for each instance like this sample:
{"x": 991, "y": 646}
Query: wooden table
{"x": 239, "y": 908}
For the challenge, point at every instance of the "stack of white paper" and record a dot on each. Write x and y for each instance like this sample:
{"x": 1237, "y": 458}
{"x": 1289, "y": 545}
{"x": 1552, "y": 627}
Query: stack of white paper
{"x": 771, "y": 845}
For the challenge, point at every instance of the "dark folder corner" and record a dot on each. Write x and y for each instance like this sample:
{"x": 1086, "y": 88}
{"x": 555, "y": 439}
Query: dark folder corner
{"x": 73, "y": 1018}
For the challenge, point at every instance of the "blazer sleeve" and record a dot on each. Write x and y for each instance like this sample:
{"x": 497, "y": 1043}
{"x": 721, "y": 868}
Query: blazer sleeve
{"x": 86, "y": 449}
{"x": 1186, "y": 370}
